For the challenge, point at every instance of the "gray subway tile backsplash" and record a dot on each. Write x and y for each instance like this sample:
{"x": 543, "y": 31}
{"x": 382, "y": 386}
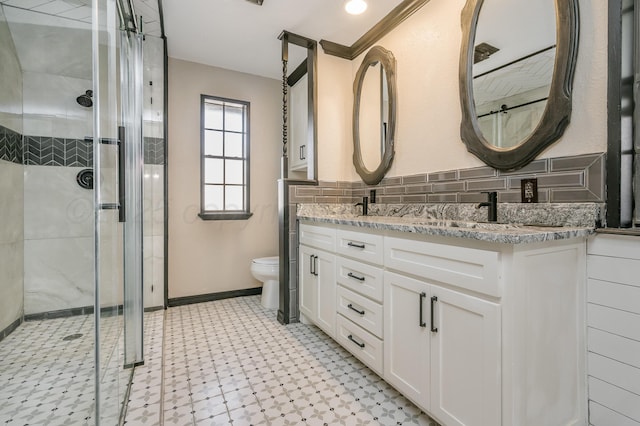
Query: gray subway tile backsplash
{"x": 568, "y": 182}
{"x": 577, "y": 162}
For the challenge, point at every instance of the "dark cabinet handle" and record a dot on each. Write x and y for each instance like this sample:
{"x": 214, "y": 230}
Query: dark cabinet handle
{"x": 352, "y": 244}
{"x": 121, "y": 175}
{"x": 422, "y": 323}
{"x": 350, "y": 306}
{"x": 315, "y": 265}
{"x": 434, "y": 299}
{"x": 311, "y": 270}
{"x": 350, "y": 337}
{"x": 302, "y": 153}
{"x": 355, "y": 277}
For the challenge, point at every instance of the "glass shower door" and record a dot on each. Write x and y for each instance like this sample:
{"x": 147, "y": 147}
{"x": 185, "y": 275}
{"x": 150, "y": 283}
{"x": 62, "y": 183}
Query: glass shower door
{"x": 111, "y": 379}
{"x": 117, "y": 57}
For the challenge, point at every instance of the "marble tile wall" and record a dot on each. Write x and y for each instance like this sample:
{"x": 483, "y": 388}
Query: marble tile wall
{"x": 11, "y": 243}
{"x": 153, "y": 240}
{"x": 11, "y": 184}
{"x": 59, "y": 244}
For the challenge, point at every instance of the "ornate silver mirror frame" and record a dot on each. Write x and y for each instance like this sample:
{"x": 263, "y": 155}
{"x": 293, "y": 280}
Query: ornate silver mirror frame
{"x": 557, "y": 113}
{"x": 377, "y": 54}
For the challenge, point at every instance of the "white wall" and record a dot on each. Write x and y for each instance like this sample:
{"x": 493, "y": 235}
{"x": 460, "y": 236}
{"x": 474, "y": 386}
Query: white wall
{"x": 427, "y": 48}
{"x": 214, "y": 256}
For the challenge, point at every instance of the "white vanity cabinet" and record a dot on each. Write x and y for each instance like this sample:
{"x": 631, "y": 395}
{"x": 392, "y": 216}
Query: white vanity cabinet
{"x": 359, "y": 277}
{"x": 317, "y": 284}
{"x": 442, "y": 350}
{"x": 475, "y": 333}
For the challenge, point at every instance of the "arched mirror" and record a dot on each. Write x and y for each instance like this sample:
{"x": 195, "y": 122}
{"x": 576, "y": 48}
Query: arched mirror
{"x": 516, "y": 73}
{"x": 374, "y": 115}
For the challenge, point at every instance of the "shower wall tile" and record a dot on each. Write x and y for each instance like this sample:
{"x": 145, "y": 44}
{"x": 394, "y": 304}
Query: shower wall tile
{"x": 153, "y": 190}
{"x": 50, "y": 106}
{"x": 11, "y": 202}
{"x": 111, "y": 259}
{"x": 11, "y": 185}
{"x": 11, "y": 277}
{"x": 11, "y": 81}
{"x": 58, "y": 274}
{"x": 55, "y": 206}
{"x": 153, "y": 271}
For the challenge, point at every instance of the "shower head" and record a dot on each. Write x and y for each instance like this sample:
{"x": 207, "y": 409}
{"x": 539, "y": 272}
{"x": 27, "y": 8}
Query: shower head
{"x": 85, "y": 100}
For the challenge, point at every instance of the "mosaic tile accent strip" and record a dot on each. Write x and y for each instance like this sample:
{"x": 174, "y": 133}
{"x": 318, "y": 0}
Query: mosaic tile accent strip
{"x": 10, "y": 145}
{"x": 230, "y": 362}
{"x": 48, "y": 151}
{"x": 51, "y": 151}
{"x": 153, "y": 151}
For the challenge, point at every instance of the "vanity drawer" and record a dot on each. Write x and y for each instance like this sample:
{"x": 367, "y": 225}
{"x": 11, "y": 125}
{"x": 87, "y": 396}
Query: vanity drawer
{"x": 362, "y": 344}
{"x": 318, "y": 236}
{"x": 362, "y": 311}
{"x": 360, "y": 277}
{"x": 360, "y": 245}
{"x": 469, "y": 268}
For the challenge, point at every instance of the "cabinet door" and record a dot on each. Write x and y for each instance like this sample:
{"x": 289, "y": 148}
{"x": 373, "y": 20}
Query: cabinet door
{"x": 308, "y": 283}
{"x": 465, "y": 359}
{"x": 326, "y": 288}
{"x": 407, "y": 337}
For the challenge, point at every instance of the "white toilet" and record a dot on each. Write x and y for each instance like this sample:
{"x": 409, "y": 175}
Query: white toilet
{"x": 267, "y": 270}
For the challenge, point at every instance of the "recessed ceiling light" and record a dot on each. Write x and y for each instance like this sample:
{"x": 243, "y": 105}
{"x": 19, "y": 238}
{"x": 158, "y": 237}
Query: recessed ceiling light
{"x": 355, "y": 7}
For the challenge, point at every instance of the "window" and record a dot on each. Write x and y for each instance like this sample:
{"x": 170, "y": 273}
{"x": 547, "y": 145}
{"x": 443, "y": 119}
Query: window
{"x": 225, "y": 158}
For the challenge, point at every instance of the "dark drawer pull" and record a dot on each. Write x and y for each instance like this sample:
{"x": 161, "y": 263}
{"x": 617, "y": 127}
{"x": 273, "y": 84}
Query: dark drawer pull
{"x": 355, "y": 277}
{"x": 350, "y": 337}
{"x": 422, "y": 323}
{"x": 434, "y": 299}
{"x": 356, "y": 245}
{"x": 350, "y": 306}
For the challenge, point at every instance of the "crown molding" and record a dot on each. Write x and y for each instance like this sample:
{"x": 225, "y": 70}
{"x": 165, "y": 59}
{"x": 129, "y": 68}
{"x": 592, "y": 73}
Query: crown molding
{"x": 379, "y": 30}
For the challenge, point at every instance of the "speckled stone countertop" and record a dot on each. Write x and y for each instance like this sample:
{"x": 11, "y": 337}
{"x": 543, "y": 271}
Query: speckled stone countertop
{"x": 517, "y": 223}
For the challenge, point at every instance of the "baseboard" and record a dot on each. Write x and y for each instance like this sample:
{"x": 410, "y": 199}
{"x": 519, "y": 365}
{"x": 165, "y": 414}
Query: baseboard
{"x": 188, "y": 300}
{"x": 106, "y": 311}
{"x": 153, "y": 308}
{"x": 10, "y": 328}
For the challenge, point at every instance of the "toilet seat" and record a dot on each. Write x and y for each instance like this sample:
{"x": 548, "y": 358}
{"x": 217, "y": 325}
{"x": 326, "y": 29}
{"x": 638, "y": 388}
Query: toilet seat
{"x": 273, "y": 260}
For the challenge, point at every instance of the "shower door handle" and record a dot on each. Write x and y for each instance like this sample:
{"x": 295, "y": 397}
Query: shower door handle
{"x": 121, "y": 175}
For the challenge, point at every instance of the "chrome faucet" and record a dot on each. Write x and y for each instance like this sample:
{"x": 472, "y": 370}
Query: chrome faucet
{"x": 492, "y": 204}
{"x": 365, "y": 205}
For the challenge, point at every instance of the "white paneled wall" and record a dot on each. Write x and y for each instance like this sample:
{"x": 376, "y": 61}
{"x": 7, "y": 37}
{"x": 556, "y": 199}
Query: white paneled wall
{"x": 613, "y": 319}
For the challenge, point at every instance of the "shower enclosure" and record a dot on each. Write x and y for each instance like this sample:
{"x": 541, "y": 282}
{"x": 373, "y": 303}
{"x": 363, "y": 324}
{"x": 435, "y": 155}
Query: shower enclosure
{"x": 81, "y": 204}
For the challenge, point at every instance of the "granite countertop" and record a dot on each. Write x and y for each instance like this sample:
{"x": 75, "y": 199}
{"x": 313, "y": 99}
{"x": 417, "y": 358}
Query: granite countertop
{"x": 506, "y": 233}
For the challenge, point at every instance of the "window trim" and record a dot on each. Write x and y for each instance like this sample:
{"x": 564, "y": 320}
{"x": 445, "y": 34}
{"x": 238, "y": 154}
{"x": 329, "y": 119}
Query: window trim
{"x": 230, "y": 214}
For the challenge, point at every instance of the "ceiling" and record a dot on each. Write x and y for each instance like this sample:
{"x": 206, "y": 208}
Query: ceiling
{"x": 242, "y": 36}
{"x": 233, "y": 34}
